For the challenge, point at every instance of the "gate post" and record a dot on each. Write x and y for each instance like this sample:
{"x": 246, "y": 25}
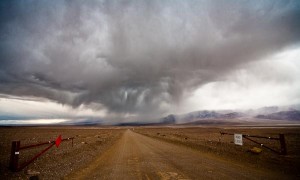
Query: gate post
{"x": 282, "y": 144}
{"x": 14, "y": 156}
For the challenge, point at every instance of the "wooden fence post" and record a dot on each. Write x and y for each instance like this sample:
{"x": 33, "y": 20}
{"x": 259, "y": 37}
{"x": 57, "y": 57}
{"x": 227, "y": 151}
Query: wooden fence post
{"x": 282, "y": 144}
{"x": 14, "y": 156}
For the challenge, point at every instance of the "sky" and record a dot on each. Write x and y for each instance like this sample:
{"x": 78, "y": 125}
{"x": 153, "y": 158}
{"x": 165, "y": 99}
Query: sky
{"x": 126, "y": 60}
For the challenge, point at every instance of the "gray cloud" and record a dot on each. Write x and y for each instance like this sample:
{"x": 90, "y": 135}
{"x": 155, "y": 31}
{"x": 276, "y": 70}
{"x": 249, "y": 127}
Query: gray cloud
{"x": 136, "y": 57}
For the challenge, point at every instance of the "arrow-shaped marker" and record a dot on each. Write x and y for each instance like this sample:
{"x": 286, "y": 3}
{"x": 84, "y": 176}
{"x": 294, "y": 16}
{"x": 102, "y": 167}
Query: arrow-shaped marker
{"x": 58, "y": 141}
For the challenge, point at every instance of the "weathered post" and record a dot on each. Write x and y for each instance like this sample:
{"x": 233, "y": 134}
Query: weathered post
{"x": 14, "y": 156}
{"x": 282, "y": 144}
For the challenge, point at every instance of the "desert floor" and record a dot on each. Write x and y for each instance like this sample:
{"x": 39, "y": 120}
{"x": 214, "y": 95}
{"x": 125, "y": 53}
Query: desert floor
{"x": 174, "y": 152}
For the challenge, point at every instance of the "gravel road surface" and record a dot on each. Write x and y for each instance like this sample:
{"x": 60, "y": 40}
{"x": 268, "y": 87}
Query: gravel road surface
{"x": 136, "y": 156}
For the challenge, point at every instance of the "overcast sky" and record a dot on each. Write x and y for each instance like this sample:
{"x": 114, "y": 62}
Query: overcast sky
{"x": 139, "y": 60}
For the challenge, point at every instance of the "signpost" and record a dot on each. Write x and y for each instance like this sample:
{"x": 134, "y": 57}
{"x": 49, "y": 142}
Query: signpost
{"x": 238, "y": 139}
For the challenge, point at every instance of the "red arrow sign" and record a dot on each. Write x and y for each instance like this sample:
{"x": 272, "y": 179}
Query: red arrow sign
{"x": 58, "y": 141}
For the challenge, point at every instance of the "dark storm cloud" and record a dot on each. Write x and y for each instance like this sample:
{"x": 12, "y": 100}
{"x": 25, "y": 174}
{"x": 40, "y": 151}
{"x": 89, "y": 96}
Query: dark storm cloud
{"x": 134, "y": 57}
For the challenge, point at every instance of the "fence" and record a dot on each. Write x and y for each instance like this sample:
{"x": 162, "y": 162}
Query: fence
{"x": 281, "y": 139}
{"x": 16, "y": 148}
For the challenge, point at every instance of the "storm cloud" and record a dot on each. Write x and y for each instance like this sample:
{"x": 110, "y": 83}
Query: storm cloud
{"x": 134, "y": 57}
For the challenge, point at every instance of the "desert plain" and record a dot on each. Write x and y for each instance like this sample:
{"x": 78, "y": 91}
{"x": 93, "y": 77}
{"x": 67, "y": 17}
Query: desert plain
{"x": 152, "y": 152}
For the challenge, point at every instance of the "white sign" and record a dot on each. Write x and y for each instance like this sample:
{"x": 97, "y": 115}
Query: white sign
{"x": 238, "y": 139}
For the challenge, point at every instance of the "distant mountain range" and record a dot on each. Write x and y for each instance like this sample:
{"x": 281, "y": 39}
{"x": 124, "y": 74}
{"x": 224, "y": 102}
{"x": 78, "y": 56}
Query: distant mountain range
{"x": 290, "y": 113}
{"x": 272, "y": 114}
{"x": 282, "y": 115}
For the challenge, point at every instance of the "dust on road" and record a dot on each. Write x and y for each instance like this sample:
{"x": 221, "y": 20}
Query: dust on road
{"x": 136, "y": 156}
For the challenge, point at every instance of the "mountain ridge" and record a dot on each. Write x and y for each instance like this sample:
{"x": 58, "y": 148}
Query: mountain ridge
{"x": 290, "y": 113}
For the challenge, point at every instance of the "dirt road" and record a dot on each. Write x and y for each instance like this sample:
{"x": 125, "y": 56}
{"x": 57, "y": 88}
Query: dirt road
{"x": 136, "y": 156}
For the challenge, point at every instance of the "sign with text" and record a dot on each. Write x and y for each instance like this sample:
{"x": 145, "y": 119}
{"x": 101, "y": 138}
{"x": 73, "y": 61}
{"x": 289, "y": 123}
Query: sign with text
{"x": 238, "y": 139}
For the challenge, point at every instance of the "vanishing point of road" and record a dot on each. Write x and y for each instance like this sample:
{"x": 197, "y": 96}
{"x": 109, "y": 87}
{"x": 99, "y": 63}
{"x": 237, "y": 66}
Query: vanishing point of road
{"x": 136, "y": 156}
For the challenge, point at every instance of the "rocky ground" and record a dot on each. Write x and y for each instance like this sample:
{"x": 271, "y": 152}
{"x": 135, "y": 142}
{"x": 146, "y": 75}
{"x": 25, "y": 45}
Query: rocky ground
{"x": 93, "y": 144}
{"x": 209, "y": 139}
{"x": 56, "y": 163}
